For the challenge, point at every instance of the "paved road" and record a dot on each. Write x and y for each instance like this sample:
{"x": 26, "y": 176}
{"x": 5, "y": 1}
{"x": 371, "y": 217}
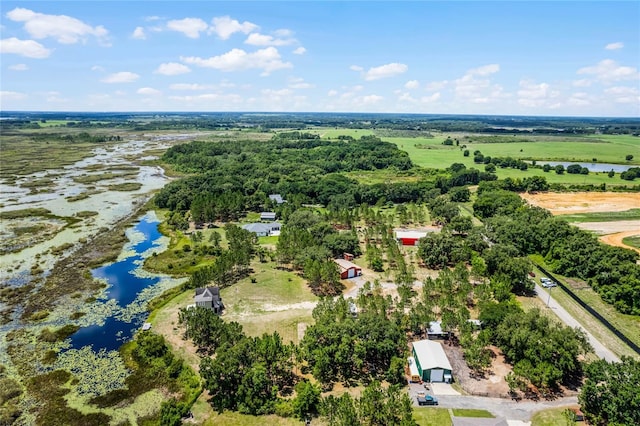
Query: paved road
{"x": 599, "y": 348}
{"x": 521, "y": 410}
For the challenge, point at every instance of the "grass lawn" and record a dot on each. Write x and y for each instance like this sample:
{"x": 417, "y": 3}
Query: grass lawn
{"x": 431, "y": 416}
{"x": 632, "y": 241}
{"x": 326, "y": 133}
{"x": 233, "y": 419}
{"x": 629, "y": 325}
{"x": 551, "y": 417}
{"x": 632, "y": 214}
{"x": 430, "y": 153}
{"x": 472, "y": 412}
{"x": 279, "y": 300}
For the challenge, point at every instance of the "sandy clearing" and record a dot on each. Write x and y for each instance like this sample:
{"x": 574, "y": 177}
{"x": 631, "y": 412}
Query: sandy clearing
{"x": 632, "y": 226}
{"x": 616, "y": 239}
{"x": 584, "y": 202}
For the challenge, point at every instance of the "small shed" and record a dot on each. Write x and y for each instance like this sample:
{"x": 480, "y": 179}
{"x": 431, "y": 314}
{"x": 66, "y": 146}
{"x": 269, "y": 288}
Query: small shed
{"x": 431, "y": 361}
{"x": 277, "y": 198}
{"x": 411, "y": 237}
{"x": 435, "y": 330}
{"x": 348, "y": 269}
{"x": 347, "y": 256}
{"x": 268, "y": 216}
{"x": 209, "y": 297}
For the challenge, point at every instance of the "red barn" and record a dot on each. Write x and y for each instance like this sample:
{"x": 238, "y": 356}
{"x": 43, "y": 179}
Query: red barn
{"x": 410, "y": 237}
{"x": 348, "y": 269}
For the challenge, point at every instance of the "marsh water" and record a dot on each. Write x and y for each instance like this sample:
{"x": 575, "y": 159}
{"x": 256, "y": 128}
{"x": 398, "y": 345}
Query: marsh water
{"x": 124, "y": 287}
{"x": 593, "y": 167}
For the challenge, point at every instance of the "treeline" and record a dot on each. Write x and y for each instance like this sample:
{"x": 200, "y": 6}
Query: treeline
{"x": 308, "y": 243}
{"x": 611, "y": 271}
{"x": 229, "y": 265}
{"x": 352, "y": 347}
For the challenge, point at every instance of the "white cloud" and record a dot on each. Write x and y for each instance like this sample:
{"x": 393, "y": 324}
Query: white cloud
{"x": 6, "y": 95}
{"x": 257, "y": 39}
{"x": 583, "y": 82}
{"x": 299, "y": 83}
{"x": 412, "y": 84}
{"x": 614, "y": 46}
{"x": 276, "y": 93}
{"x": 356, "y": 68}
{"x": 609, "y": 71}
{"x": 225, "y": 27}
{"x": 624, "y": 94}
{"x": 27, "y": 48}
{"x": 471, "y": 88}
{"x": 97, "y": 68}
{"x": 300, "y": 51}
{"x": 384, "y": 71}
{"x": 19, "y": 67}
{"x": 172, "y": 68}
{"x": 190, "y": 86}
{"x": 139, "y": 34}
{"x": 148, "y": 91}
{"x": 121, "y": 77}
{"x": 62, "y": 28}
{"x": 332, "y": 92}
{"x": 579, "y": 99}
{"x": 267, "y": 60}
{"x": 432, "y": 98}
{"x": 535, "y": 95}
{"x": 191, "y": 27}
{"x": 371, "y": 99}
{"x": 485, "y": 70}
{"x": 437, "y": 85}
{"x": 283, "y": 32}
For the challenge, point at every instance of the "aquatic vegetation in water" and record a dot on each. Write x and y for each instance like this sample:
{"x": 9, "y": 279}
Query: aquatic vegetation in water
{"x": 95, "y": 373}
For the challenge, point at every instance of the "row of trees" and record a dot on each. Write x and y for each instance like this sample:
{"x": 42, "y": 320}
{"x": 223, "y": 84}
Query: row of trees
{"x": 611, "y": 271}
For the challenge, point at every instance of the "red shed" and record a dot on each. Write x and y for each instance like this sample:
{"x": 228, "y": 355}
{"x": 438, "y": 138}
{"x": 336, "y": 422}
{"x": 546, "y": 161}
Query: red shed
{"x": 348, "y": 269}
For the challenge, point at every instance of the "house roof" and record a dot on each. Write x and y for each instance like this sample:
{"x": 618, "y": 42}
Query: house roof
{"x": 257, "y": 227}
{"x": 267, "y": 215}
{"x": 277, "y": 198}
{"x": 431, "y": 355}
{"x": 345, "y": 264}
{"x": 415, "y": 233}
{"x": 207, "y": 294}
{"x": 435, "y": 327}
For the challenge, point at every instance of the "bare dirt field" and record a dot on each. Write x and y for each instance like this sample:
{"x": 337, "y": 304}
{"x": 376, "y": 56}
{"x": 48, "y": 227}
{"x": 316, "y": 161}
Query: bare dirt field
{"x": 492, "y": 384}
{"x": 584, "y": 202}
{"x": 594, "y": 202}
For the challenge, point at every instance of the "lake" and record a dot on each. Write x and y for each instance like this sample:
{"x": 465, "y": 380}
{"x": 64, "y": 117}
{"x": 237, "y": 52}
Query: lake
{"x": 593, "y": 167}
{"x": 125, "y": 285}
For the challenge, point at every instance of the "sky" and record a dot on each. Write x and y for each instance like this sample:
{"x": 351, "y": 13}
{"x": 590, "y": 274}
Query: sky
{"x": 545, "y": 58}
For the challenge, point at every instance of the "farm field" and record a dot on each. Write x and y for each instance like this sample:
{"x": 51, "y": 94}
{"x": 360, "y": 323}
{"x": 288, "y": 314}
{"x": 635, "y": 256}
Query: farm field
{"x": 430, "y": 153}
{"x": 585, "y": 202}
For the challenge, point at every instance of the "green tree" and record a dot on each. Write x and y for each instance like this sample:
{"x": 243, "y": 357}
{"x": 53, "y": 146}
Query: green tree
{"x": 610, "y": 393}
{"x": 307, "y": 399}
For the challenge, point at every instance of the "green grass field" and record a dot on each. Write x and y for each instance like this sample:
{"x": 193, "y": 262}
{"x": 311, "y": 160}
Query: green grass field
{"x": 551, "y": 417}
{"x": 431, "y": 416}
{"x": 430, "y": 153}
{"x": 632, "y": 214}
{"x": 632, "y": 241}
{"x": 472, "y": 412}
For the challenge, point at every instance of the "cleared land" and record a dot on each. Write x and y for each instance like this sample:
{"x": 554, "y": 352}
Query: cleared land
{"x": 431, "y": 153}
{"x": 584, "y": 202}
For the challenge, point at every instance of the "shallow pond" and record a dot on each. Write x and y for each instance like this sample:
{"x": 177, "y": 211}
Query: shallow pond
{"x": 126, "y": 283}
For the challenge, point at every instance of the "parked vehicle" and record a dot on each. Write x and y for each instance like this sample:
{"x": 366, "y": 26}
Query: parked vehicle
{"x": 427, "y": 400}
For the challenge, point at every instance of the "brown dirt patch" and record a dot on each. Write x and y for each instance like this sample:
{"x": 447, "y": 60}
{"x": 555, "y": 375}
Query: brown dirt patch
{"x": 584, "y": 202}
{"x": 616, "y": 239}
{"x": 492, "y": 384}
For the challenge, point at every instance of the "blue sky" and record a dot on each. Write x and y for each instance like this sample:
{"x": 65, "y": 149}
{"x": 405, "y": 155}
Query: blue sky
{"x": 516, "y": 58}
